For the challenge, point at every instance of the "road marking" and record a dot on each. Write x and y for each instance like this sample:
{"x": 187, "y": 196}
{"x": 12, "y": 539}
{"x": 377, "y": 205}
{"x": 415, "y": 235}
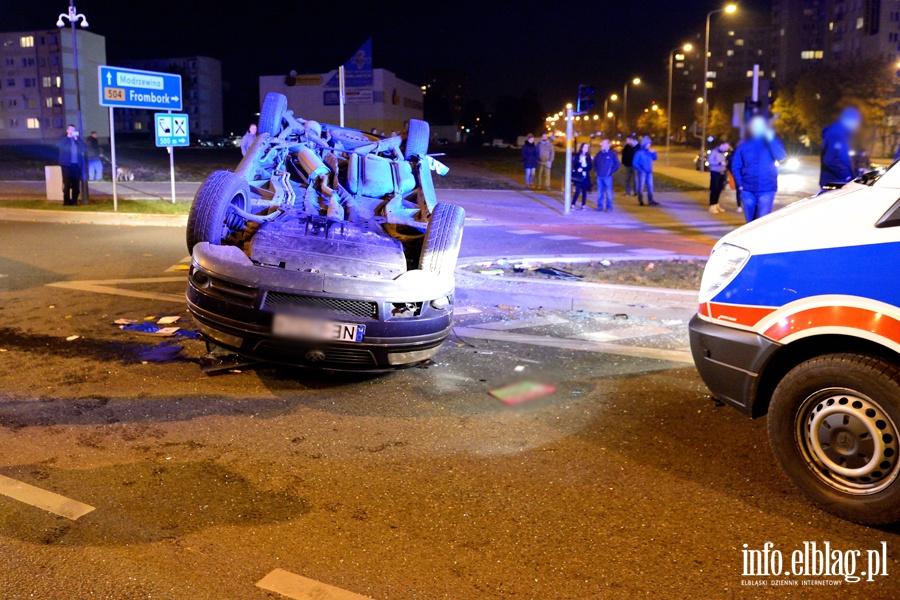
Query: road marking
{"x": 34, "y": 496}
{"x": 523, "y": 232}
{"x": 570, "y": 344}
{"x": 601, "y": 244}
{"x": 561, "y": 238}
{"x": 623, "y": 333}
{"x": 649, "y": 251}
{"x": 521, "y": 323}
{"x": 301, "y": 588}
{"x": 465, "y": 310}
{"x": 183, "y": 265}
{"x": 106, "y": 286}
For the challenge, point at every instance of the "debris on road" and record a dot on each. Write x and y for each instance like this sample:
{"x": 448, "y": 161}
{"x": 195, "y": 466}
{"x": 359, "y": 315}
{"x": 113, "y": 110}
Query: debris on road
{"x": 491, "y": 271}
{"x": 150, "y": 329}
{"x": 164, "y": 352}
{"x": 558, "y": 273}
{"x": 519, "y": 393}
{"x": 72, "y": 338}
{"x": 125, "y": 321}
{"x": 216, "y": 363}
{"x": 168, "y": 320}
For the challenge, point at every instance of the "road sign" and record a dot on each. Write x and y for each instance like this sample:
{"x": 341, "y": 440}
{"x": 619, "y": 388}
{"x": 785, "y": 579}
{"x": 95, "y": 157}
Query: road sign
{"x": 171, "y": 130}
{"x": 131, "y": 88}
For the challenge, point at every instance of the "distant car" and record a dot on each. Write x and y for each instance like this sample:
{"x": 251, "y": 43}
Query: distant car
{"x": 791, "y": 164}
{"x": 705, "y": 162}
{"x": 325, "y": 248}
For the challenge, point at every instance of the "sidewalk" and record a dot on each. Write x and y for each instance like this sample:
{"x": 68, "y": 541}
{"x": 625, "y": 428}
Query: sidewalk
{"x": 126, "y": 190}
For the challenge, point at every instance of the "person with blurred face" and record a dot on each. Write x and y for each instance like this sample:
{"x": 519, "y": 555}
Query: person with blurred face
{"x": 530, "y": 160}
{"x": 755, "y": 170}
{"x": 582, "y": 164}
{"x": 717, "y": 161}
{"x": 643, "y": 167}
{"x": 248, "y": 139}
{"x": 71, "y": 161}
{"x": 837, "y": 140}
{"x": 546, "y": 154}
{"x": 606, "y": 162}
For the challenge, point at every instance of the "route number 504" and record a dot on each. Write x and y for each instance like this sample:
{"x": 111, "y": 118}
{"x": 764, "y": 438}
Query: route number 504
{"x": 114, "y": 94}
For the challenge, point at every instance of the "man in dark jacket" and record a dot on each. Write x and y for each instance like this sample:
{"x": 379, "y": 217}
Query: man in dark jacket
{"x": 754, "y": 169}
{"x": 628, "y": 151}
{"x": 530, "y": 160}
{"x": 71, "y": 160}
{"x": 605, "y": 164}
{"x": 837, "y": 139}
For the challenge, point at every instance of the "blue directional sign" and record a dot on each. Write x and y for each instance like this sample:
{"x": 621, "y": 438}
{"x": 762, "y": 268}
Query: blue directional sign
{"x": 131, "y": 88}
{"x": 171, "y": 129}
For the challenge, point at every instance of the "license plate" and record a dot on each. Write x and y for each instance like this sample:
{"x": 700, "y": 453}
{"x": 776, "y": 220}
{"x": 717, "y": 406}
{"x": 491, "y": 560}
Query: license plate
{"x": 315, "y": 329}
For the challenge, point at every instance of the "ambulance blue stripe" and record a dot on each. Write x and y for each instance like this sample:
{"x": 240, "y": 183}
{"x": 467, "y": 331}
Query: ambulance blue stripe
{"x": 869, "y": 271}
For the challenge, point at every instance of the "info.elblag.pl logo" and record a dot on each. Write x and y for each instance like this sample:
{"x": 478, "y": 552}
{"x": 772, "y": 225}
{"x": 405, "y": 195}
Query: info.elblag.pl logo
{"x": 812, "y": 564}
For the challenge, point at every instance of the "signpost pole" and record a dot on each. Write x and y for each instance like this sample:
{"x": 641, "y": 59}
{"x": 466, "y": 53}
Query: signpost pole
{"x": 112, "y": 152}
{"x": 342, "y": 92}
{"x": 570, "y": 142}
{"x": 172, "y": 168}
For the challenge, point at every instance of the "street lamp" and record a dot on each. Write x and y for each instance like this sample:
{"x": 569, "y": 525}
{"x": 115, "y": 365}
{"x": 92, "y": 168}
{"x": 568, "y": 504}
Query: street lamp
{"x": 635, "y": 81}
{"x": 685, "y": 48}
{"x": 73, "y": 16}
{"x": 729, "y": 9}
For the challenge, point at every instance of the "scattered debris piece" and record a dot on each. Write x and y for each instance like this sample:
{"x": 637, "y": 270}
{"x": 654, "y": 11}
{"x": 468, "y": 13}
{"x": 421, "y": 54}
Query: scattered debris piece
{"x": 215, "y": 363}
{"x": 519, "y": 393}
{"x": 558, "y": 273}
{"x": 125, "y": 321}
{"x": 164, "y": 352}
{"x": 671, "y": 322}
{"x": 72, "y": 338}
{"x": 168, "y": 320}
{"x": 150, "y": 329}
{"x": 606, "y": 263}
{"x": 519, "y": 368}
{"x": 491, "y": 271}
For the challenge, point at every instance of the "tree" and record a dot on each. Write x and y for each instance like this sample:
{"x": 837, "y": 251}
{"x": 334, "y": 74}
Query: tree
{"x": 653, "y": 123}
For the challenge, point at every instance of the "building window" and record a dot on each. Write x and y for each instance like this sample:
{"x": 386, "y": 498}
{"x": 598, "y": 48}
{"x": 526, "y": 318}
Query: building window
{"x": 54, "y": 40}
{"x": 26, "y": 41}
{"x": 59, "y": 101}
{"x": 47, "y": 81}
{"x": 10, "y": 82}
{"x": 738, "y": 42}
{"x": 860, "y": 23}
{"x": 28, "y": 61}
{"x": 31, "y": 102}
{"x": 54, "y": 60}
{"x": 138, "y": 126}
{"x": 9, "y": 62}
{"x": 33, "y": 123}
{"x": 812, "y": 54}
{"x": 13, "y": 123}
{"x": 58, "y": 122}
{"x": 729, "y": 53}
{"x": 29, "y": 82}
{"x": 58, "y": 81}
{"x": 48, "y": 102}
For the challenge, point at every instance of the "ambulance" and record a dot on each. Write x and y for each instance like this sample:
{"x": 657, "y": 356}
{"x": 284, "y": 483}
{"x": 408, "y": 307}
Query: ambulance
{"x": 799, "y": 320}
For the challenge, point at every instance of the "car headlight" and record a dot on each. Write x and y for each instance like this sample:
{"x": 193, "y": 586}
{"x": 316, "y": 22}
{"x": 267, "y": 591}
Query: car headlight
{"x": 724, "y": 264}
{"x": 792, "y": 164}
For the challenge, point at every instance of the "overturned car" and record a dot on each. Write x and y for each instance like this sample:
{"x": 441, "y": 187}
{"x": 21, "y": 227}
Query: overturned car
{"x": 325, "y": 248}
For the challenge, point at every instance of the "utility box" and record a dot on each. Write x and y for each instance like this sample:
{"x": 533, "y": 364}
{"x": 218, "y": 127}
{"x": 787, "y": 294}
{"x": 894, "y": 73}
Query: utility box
{"x": 54, "y": 183}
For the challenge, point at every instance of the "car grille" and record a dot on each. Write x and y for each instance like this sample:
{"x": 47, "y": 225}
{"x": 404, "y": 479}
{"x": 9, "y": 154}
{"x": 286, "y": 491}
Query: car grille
{"x": 336, "y": 306}
{"x": 358, "y": 357}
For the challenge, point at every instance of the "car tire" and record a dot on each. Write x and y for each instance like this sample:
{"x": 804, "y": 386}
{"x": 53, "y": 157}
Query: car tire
{"x": 417, "y": 138}
{"x": 443, "y": 236}
{"x": 270, "y": 114}
{"x": 210, "y": 219}
{"x": 833, "y": 428}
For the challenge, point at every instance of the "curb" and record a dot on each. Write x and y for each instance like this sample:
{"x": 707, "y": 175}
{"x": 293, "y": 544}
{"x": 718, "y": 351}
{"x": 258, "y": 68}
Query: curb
{"x": 91, "y": 218}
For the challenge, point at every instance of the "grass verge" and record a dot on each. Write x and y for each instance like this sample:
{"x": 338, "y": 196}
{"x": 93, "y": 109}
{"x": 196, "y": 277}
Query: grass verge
{"x": 155, "y": 207}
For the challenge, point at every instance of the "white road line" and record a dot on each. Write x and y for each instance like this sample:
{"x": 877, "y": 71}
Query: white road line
{"x": 623, "y": 333}
{"x": 34, "y": 496}
{"x": 521, "y": 323}
{"x": 601, "y": 244}
{"x": 561, "y": 238}
{"x": 301, "y": 588}
{"x": 569, "y": 344}
{"x": 106, "y": 286}
{"x": 649, "y": 251}
{"x": 523, "y": 232}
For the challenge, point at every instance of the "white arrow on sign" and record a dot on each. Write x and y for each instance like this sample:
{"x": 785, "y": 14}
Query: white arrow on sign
{"x": 175, "y": 98}
{"x": 108, "y": 78}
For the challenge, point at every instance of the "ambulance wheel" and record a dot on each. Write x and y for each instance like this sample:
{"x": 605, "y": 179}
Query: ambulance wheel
{"x": 833, "y": 428}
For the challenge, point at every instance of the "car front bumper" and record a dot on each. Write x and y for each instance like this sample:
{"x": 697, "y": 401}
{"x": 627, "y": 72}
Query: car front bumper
{"x": 730, "y": 360}
{"x": 233, "y": 302}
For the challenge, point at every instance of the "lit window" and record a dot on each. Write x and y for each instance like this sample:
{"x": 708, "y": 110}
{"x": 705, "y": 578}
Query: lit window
{"x": 138, "y": 126}
{"x": 860, "y": 23}
{"x": 48, "y": 102}
{"x": 730, "y": 53}
{"x": 58, "y": 81}
{"x": 709, "y": 84}
{"x": 26, "y": 41}
{"x": 831, "y": 26}
{"x": 33, "y": 123}
{"x": 59, "y": 101}
{"x": 731, "y": 34}
{"x": 738, "y": 42}
{"x": 749, "y": 73}
{"x": 47, "y": 81}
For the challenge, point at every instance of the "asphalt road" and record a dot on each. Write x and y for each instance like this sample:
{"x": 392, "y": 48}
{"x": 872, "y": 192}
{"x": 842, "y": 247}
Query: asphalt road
{"x": 627, "y": 481}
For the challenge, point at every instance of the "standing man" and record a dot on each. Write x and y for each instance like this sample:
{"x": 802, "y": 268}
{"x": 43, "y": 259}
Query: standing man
{"x": 248, "y": 138}
{"x": 95, "y": 167}
{"x": 71, "y": 160}
{"x": 546, "y": 153}
{"x": 605, "y": 164}
{"x": 754, "y": 169}
{"x": 628, "y": 162}
{"x": 530, "y": 160}
{"x": 836, "y": 141}
{"x": 717, "y": 162}
{"x": 643, "y": 166}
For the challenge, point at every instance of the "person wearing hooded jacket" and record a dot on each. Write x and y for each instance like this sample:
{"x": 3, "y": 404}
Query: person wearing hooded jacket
{"x": 643, "y": 167}
{"x": 837, "y": 138}
{"x": 755, "y": 170}
{"x": 530, "y": 160}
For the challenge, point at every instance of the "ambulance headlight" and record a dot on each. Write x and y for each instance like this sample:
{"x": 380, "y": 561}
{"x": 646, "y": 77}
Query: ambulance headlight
{"x": 724, "y": 264}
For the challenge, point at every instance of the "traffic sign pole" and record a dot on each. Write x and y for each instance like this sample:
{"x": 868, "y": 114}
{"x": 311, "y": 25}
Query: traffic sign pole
{"x": 172, "y": 171}
{"x": 112, "y": 152}
{"x": 570, "y": 142}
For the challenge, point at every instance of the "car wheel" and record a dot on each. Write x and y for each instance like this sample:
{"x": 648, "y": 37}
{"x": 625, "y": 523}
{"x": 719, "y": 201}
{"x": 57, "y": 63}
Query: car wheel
{"x": 212, "y": 218}
{"x": 417, "y": 138}
{"x": 833, "y": 427}
{"x": 270, "y": 114}
{"x": 442, "y": 239}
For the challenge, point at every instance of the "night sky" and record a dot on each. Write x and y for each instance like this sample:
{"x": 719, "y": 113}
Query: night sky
{"x": 506, "y": 47}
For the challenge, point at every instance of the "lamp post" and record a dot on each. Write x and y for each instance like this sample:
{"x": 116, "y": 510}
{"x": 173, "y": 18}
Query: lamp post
{"x": 73, "y": 16}
{"x": 729, "y": 10}
{"x": 685, "y": 48}
{"x": 606, "y": 110}
{"x": 635, "y": 81}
